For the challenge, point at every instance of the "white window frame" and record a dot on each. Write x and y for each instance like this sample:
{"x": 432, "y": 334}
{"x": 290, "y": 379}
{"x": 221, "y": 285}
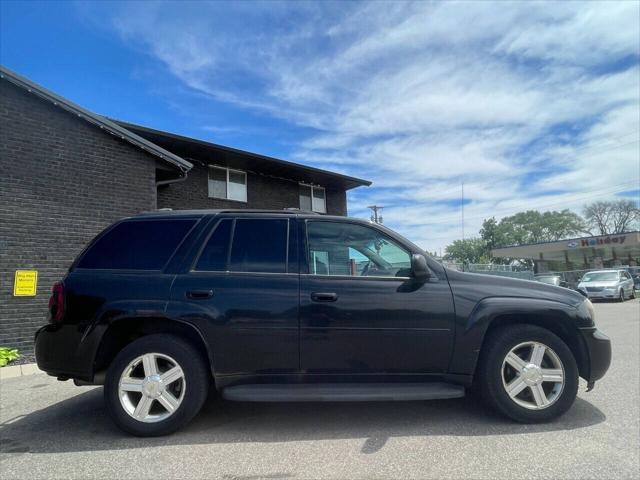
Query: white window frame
{"x": 311, "y": 190}
{"x": 227, "y": 170}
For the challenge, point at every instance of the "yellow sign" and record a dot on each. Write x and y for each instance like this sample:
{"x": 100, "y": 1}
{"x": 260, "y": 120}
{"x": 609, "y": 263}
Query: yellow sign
{"x": 25, "y": 283}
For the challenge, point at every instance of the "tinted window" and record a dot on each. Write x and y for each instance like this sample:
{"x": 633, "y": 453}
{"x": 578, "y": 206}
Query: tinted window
{"x": 259, "y": 245}
{"x": 337, "y": 248}
{"x": 214, "y": 255}
{"x": 137, "y": 245}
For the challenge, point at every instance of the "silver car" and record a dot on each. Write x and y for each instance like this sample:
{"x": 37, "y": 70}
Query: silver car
{"x": 607, "y": 284}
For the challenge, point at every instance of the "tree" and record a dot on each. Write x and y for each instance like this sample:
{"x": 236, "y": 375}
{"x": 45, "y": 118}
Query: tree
{"x": 531, "y": 227}
{"x": 472, "y": 250}
{"x": 611, "y": 217}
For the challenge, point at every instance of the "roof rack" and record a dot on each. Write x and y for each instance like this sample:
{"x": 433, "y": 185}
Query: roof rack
{"x": 284, "y": 211}
{"x": 216, "y": 211}
{"x": 295, "y": 209}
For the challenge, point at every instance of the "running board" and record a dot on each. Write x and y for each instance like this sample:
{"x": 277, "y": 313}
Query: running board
{"x": 342, "y": 392}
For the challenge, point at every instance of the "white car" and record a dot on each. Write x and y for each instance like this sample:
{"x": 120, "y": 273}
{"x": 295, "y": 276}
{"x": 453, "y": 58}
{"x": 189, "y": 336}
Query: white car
{"x": 607, "y": 284}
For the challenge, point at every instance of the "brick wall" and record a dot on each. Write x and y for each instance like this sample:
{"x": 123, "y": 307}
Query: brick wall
{"x": 262, "y": 192}
{"x": 62, "y": 181}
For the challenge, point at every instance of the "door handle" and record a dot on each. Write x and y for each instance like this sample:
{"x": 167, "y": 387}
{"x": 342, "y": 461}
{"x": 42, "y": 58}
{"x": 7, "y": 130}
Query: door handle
{"x": 324, "y": 297}
{"x": 200, "y": 294}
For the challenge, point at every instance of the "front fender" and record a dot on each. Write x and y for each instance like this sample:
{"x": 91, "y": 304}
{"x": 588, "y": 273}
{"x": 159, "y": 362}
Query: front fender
{"x": 471, "y": 331}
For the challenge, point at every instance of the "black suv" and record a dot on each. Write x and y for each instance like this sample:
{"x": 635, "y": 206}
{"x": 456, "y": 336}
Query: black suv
{"x": 294, "y": 306}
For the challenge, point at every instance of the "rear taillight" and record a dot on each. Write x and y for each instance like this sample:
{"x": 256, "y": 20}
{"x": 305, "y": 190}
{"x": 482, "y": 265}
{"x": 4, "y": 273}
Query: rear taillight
{"x": 56, "y": 302}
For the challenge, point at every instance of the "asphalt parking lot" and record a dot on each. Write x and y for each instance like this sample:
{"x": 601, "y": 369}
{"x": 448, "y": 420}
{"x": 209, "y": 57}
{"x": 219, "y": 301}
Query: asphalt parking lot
{"x": 51, "y": 429}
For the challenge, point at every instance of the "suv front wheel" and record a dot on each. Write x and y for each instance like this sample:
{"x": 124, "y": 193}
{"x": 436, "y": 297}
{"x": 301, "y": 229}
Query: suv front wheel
{"x": 528, "y": 373}
{"x": 156, "y": 385}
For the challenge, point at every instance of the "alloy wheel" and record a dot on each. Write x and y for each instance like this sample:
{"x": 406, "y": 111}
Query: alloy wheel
{"x": 533, "y": 375}
{"x": 151, "y": 387}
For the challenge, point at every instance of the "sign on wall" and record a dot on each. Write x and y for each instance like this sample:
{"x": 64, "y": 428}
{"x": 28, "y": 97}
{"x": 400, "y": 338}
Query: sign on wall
{"x": 25, "y": 283}
{"x": 597, "y": 241}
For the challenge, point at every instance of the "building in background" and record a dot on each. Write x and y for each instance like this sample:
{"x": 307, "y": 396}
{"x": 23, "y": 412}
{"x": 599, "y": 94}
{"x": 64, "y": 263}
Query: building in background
{"x": 621, "y": 249}
{"x": 67, "y": 173}
{"x": 224, "y": 177}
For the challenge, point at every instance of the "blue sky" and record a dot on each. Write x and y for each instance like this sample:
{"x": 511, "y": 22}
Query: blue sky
{"x": 531, "y": 105}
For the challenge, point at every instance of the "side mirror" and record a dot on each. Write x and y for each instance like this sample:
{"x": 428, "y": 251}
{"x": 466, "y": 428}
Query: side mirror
{"x": 419, "y": 267}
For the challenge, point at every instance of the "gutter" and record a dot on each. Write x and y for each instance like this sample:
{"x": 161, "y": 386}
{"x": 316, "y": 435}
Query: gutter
{"x": 181, "y": 178}
{"x": 98, "y": 120}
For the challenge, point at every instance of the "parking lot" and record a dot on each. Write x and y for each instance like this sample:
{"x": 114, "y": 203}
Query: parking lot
{"x": 51, "y": 429}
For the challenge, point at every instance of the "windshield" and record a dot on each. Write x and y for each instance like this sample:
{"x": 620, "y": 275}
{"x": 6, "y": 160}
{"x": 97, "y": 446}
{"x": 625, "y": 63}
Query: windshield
{"x": 549, "y": 280}
{"x": 600, "y": 277}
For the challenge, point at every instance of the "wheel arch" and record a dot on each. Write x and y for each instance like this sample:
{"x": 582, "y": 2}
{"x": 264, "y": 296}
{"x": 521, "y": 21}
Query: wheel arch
{"x": 567, "y": 333}
{"x": 125, "y": 330}
{"x": 495, "y": 313}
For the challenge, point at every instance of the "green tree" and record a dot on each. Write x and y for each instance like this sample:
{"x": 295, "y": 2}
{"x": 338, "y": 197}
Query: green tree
{"x": 531, "y": 227}
{"x": 472, "y": 250}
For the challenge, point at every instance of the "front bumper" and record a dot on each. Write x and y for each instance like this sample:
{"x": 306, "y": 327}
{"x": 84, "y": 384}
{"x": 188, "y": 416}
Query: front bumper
{"x": 599, "y": 351}
{"x": 603, "y": 295}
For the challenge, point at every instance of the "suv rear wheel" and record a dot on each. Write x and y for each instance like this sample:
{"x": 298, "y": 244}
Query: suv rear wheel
{"x": 528, "y": 374}
{"x": 156, "y": 385}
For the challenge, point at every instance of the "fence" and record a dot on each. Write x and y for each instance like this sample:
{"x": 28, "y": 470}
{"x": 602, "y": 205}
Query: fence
{"x": 493, "y": 269}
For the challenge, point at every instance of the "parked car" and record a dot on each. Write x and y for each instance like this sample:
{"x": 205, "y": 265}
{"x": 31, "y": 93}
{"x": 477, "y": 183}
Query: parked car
{"x": 635, "y": 274}
{"x": 295, "y": 306}
{"x": 607, "y": 284}
{"x": 551, "y": 279}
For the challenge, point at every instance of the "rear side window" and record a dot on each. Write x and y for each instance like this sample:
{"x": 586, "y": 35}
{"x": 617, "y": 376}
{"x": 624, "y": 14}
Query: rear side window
{"x": 137, "y": 245}
{"x": 259, "y": 245}
{"x": 214, "y": 254}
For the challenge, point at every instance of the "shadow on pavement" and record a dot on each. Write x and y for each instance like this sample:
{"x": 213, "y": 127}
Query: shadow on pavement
{"x": 81, "y": 424}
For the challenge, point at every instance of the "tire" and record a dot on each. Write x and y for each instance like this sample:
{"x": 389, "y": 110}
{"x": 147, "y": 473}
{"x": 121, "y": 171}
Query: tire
{"x": 184, "y": 394}
{"x": 633, "y": 294}
{"x": 621, "y": 297}
{"x": 495, "y": 374}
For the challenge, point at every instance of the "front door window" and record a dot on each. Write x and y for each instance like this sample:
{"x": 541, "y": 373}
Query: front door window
{"x": 347, "y": 249}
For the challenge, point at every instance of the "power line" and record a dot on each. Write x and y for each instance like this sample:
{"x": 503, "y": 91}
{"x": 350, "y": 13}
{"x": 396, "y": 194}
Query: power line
{"x": 375, "y": 217}
{"x": 590, "y": 147}
{"x": 530, "y": 206}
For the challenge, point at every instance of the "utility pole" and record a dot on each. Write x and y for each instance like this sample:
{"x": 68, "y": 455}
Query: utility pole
{"x": 375, "y": 217}
{"x": 462, "y": 209}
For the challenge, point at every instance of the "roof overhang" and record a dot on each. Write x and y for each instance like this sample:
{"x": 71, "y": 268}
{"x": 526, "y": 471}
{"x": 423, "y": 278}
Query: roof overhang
{"x": 618, "y": 245}
{"x": 211, "y": 153}
{"x": 98, "y": 120}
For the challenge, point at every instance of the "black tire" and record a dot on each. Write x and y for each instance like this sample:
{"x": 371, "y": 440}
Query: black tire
{"x": 633, "y": 294}
{"x": 490, "y": 379}
{"x": 196, "y": 374}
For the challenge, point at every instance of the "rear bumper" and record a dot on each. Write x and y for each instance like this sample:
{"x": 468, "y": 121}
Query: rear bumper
{"x": 61, "y": 352}
{"x": 599, "y": 351}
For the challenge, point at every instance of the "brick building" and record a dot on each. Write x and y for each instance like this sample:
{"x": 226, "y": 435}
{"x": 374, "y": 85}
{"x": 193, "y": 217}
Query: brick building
{"x": 67, "y": 173}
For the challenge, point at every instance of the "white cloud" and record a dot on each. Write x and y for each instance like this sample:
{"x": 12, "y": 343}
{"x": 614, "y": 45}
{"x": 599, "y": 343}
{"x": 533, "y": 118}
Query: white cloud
{"x": 530, "y": 104}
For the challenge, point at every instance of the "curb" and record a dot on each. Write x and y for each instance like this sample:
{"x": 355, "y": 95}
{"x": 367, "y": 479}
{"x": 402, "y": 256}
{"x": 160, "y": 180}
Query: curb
{"x": 15, "y": 371}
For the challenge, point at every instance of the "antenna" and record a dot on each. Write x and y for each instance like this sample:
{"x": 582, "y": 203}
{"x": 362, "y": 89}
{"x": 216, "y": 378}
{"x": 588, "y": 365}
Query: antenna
{"x": 375, "y": 217}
